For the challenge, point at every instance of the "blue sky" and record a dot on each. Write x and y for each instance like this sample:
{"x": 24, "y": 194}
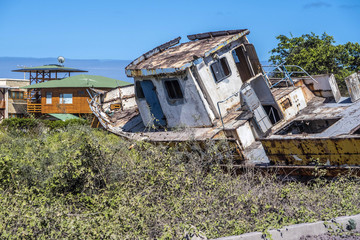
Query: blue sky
{"x": 115, "y": 29}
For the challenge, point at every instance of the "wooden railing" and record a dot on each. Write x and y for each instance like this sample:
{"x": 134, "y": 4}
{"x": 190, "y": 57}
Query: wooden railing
{"x": 2, "y": 104}
{"x": 34, "y": 107}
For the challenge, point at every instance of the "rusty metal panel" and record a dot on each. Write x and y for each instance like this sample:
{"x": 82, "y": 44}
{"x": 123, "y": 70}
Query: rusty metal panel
{"x": 304, "y": 151}
{"x": 353, "y": 86}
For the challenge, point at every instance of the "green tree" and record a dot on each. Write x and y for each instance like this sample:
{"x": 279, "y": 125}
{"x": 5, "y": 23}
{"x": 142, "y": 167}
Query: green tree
{"x": 318, "y": 55}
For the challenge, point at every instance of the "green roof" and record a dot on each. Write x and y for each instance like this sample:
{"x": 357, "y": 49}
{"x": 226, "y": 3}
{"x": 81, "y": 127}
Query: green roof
{"x": 63, "y": 116}
{"x": 81, "y": 80}
{"x": 50, "y": 67}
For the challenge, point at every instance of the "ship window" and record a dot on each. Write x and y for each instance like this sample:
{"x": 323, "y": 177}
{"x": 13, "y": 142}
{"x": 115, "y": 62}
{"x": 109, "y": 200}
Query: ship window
{"x": 139, "y": 90}
{"x": 286, "y": 103}
{"x": 48, "y": 97}
{"x": 66, "y": 98}
{"x": 220, "y": 69}
{"x": 173, "y": 89}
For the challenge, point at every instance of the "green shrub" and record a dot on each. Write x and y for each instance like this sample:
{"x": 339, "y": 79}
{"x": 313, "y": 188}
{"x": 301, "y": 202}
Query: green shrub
{"x": 23, "y": 124}
{"x": 86, "y": 183}
{"x": 62, "y": 124}
{"x": 36, "y": 125}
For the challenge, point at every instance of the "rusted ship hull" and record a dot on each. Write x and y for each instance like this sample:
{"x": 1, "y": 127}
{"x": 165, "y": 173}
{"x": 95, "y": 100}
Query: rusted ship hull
{"x": 214, "y": 88}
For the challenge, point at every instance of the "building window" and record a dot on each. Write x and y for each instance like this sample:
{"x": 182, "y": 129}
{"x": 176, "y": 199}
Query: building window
{"x": 66, "y": 98}
{"x": 81, "y": 92}
{"x": 173, "y": 89}
{"x": 16, "y": 94}
{"x": 16, "y": 115}
{"x": 220, "y": 69}
{"x": 138, "y": 90}
{"x": 48, "y": 97}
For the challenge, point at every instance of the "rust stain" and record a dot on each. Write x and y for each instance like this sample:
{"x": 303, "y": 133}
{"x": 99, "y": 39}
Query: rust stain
{"x": 336, "y": 151}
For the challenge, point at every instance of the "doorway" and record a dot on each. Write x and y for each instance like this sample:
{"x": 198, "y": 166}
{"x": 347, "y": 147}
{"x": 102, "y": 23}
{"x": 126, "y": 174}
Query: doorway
{"x": 242, "y": 64}
{"x": 152, "y": 100}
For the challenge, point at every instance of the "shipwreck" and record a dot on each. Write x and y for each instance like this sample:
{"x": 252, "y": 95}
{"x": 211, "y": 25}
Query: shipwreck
{"x": 214, "y": 87}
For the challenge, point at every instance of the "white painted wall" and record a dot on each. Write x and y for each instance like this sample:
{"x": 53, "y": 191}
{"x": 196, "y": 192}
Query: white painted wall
{"x": 128, "y": 96}
{"x": 322, "y": 85}
{"x": 219, "y": 91}
{"x": 145, "y": 112}
{"x": 127, "y": 90}
{"x": 298, "y": 102}
{"x": 124, "y": 95}
{"x": 190, "y": 111}
{"x": 245, "y": 135}
{"x": 194, "y": 110}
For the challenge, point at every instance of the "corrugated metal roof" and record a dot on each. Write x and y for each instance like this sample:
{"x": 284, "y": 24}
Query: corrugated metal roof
{"x": 82, "y": 80}
{"x": 63, "y": 116}
{"x": 180, "y": 56}
{"x": 50, "y": 67}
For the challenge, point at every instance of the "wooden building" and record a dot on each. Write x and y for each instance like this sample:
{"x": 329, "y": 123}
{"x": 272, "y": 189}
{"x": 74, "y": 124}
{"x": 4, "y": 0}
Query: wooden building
{"x": 70, "y": 95}
{"x": 42, "y": 74}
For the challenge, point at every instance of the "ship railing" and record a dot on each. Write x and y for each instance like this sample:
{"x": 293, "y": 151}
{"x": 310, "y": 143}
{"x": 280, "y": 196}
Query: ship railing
{"x": 286, "y": 72}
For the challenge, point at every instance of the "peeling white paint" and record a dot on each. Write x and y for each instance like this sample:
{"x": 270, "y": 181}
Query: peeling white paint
{"x": 298, "y": 102}
{"x": 245, "y": 135}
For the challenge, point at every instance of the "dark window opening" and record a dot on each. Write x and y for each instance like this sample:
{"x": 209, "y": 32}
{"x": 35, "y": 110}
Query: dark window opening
{"x": 286, "y": 103}
{"x": 81, "y": 92}
{"x": 220, "y": 69}
{"x": 307, "y": 126}
{"x": 139, "y": 91}
{"x": 272, "y": 113}
{"x": 173, "y": 89}
{"x": 357, "y": 131}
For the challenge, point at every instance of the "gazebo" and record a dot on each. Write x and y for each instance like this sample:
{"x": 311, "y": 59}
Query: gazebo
{"x": 42, "y": 74}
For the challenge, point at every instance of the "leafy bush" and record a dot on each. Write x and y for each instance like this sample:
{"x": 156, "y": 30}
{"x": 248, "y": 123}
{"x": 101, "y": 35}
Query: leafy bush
{"x": 62, "y": 124}
{"x": 20, "y": 123}
{"x": 36, "y": 125}
{"x": 318, "y": 55}
{"x": 84, "y": 183}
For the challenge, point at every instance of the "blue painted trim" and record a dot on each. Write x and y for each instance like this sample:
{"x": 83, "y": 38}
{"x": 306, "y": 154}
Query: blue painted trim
{"x": 158, "y": 71}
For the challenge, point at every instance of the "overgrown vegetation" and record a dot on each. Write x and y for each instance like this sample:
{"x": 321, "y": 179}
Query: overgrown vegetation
{"x": 27, "y": 124}
{"x": 318, "y": 55}
{"x": 80, "y": 183}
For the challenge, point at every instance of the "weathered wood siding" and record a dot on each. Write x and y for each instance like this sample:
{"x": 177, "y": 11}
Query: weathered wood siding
{"x": 79, "y": 101}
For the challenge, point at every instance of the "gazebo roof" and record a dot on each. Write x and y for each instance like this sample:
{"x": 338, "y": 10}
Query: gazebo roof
{"x": 82, "y": 80}
{"x": 48, "y": 68}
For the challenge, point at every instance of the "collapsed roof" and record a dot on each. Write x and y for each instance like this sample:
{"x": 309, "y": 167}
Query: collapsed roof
{"x": 170, "y": 57}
